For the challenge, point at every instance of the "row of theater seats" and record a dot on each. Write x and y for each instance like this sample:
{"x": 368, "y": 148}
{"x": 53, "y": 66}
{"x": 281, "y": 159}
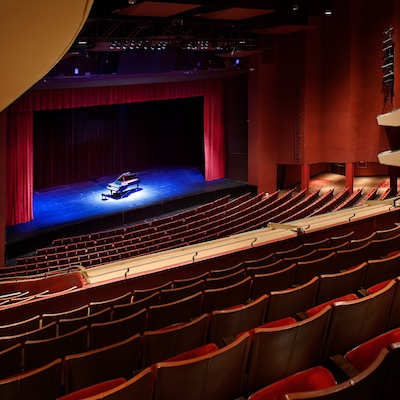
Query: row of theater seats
{"x": 256, "y": 357}
{"x": 275, "y": 271}
{"x": 221, "y": 218}
{"x": 387, "y": 233}
{"x": 161, "y": 234}
{"x": 165, "y": 305}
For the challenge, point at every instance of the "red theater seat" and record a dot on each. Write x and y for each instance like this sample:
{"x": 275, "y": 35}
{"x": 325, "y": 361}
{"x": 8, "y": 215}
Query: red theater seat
{"x": 93, "y": 390}
{"x": 366, "y": 353}
{"x": 311, "y": 379}
{"x": 315, "y": 310}
{"x": 164, "y": 343}
{"x": 198, "y": 352}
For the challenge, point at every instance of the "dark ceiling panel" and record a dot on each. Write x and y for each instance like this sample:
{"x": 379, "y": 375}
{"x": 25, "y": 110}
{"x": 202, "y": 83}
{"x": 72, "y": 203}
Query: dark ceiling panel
{"x": 236, "y": 14}
{"x": 156, "y": 9}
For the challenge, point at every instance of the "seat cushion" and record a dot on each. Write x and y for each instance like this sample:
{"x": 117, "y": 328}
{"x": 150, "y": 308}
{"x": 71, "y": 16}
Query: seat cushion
{"x": 315, "y": 310}
{"x": 392, "y": 254}
{"x": 272, "y": 324}
{"x": 378, "y": 286}
{"x": 93, "y": 390}
{"x": 362, "y": 356}
{"x": 311, "y": 379}
{"x": 197, "y": 352}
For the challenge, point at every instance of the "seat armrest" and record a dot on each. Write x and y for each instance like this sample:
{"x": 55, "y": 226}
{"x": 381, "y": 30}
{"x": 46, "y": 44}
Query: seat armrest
{"x": 344, "y": 366}
{"x": 363, "y": 292}
{"x": 302, "y": 315}
{"x": 228, "y": 340}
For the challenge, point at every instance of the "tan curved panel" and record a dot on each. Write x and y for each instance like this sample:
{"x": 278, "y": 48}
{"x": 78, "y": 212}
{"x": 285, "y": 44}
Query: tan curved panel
{"x": 35, "y": 35}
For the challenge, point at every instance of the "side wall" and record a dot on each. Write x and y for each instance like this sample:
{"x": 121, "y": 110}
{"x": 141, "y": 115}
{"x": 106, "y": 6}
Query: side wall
{"x": 317, "y": 100}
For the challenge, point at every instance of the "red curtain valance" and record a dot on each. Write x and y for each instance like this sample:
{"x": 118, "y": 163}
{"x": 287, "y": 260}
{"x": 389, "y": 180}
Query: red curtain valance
{"x": 53, "y": 99}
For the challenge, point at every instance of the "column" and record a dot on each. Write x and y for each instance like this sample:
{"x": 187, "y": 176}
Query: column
{"x": 350, "y": 177}
{"x": 305, "y": 176}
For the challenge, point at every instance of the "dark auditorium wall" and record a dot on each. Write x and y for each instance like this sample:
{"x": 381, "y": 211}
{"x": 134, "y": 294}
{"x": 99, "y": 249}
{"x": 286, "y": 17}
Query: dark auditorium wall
{"x": 316, "y": 99}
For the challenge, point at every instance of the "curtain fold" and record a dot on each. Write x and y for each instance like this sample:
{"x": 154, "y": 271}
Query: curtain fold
{"x": 214, "y": 152}
{"x": 19, "y": 169}
{"x": 20, "y": 129}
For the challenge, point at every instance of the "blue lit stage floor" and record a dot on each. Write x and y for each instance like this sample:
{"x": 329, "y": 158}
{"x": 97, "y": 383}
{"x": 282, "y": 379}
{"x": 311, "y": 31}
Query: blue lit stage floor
{"x": 80, "y": 208}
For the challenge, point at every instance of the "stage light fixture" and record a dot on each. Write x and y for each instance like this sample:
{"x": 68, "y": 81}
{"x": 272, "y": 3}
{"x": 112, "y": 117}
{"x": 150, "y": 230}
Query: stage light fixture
{"x": 328, "y": 8}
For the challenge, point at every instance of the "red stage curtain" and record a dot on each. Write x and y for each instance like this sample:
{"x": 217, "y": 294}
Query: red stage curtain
{"x": 214, "y": 151}
{"x": 19, "y": 157}
{"x": 19, "y": 169}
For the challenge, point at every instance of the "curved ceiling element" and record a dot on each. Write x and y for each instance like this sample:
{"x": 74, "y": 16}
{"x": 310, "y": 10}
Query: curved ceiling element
{"x": 36, "y": 35}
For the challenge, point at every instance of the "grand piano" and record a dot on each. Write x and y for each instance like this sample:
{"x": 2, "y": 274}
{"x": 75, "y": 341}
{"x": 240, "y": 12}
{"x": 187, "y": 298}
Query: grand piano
{"x": 123, "y": 185}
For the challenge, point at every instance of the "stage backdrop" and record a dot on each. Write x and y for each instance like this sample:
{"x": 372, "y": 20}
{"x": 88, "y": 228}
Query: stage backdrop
{"x": 81, "y": 144}
{"x": 20, "y": 177}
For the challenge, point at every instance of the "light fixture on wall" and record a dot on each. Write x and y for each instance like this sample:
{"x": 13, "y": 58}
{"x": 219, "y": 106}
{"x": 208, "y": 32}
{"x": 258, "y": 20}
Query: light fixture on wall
{"x": 328, "y": 9}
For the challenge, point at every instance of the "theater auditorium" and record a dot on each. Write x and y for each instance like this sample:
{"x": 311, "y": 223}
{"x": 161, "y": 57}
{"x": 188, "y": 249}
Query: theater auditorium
{"x": 199, "y": 200}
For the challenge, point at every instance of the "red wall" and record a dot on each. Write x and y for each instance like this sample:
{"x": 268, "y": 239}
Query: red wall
{"x": 319, "y": 98}
{"x": 3, "y": 127}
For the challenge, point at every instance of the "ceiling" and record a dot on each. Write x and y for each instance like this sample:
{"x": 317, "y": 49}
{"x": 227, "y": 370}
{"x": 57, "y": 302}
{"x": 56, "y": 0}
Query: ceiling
{"x": 135, "y": 36}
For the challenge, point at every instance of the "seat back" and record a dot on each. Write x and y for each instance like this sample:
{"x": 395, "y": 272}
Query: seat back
{"x": 380, "y": 270}
{"x": 139, "y": 294}
{"x": 282, "y": 351}
{"x": 174, "y": 294}
{"x": 162, "y": 344}
{"x": 20, "y": 327}
{"x": 287, "y": 303}
{"x": 387, "y": 233}
{"x": 232, "y": 295}
{"x": 337, "y": 240}
{"x": 95, "y": 306}
{"x": 88, "y": 368}
{"x": 346, "y": 259}
{"x": 81, "y": 311}
{"x": 266, "y": 283}
{"x": 221, "y": 273}
{"x": 225, "y": 280}
{"x": 229, "y": 322}
{"x": 189, "y": 281}
{"x": 293, "y": 252}
{"x": 260, "y": 262}
{"x": 40, "y": 383}
{"x": 265, "y": 269}
{"x": 70, "y": 324}
{"x": 306, "y": 270}
{"x": 339, "y": 284}
{"x": 106, "y": 333}
{"x": 11, "y": 361}
{"x": 162, "y": 315}
{"x": 218, "y": 375}
{"x": 310, "y": 255}
{"x": 138, "y": 387}
{"x": 47, "y": 331}
{"x": 383, "y": 247}
{"x": 41, "y": 352}
{"x": 356, "y": 321}
{"x": 124, "y": 310}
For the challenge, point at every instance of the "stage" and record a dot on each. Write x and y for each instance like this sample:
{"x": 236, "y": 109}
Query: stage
{"x": 81, "y": 208}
